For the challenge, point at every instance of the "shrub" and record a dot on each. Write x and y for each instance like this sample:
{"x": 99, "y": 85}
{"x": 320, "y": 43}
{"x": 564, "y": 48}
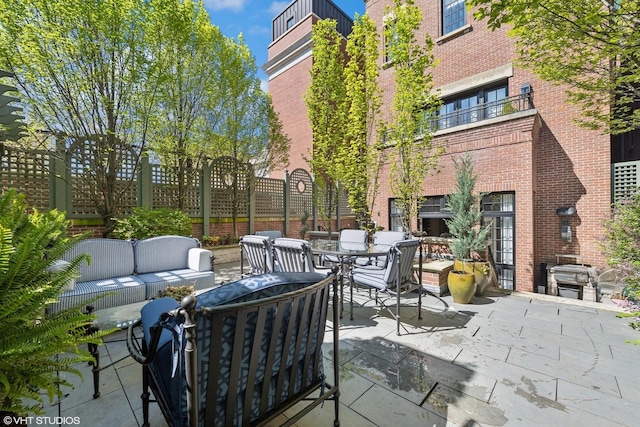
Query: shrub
{"x": 621, "y": 245}
{"x": 35, "y": 347}
{"x": 144, "y": 223}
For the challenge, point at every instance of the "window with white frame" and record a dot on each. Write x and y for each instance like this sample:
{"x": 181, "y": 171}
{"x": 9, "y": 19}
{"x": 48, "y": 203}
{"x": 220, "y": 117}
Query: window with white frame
{"x": 453, "y": 15}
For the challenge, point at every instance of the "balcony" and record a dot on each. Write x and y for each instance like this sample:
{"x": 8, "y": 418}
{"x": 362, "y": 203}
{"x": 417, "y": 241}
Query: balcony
{"x": 482, "y": 112}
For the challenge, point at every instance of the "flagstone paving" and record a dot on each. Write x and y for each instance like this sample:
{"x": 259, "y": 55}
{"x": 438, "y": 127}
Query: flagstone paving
{"x": 505, "y": 360}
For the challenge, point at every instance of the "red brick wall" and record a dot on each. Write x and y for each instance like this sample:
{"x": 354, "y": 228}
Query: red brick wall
{"x": 557, "y": 165}
{"x": 546, "y": 159}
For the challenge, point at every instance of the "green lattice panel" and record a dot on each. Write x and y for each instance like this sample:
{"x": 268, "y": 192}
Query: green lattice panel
{"x": 28, "y": 174}
{"x": 626, "y": 179}
{"x": 269, "y": 196}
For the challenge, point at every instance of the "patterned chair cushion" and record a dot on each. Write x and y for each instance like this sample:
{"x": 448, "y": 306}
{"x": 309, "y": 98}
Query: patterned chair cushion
{"x": 244, "y": 290}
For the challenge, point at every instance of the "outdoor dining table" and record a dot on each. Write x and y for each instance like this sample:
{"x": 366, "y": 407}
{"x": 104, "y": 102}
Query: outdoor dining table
{"x": 348, "y": 253}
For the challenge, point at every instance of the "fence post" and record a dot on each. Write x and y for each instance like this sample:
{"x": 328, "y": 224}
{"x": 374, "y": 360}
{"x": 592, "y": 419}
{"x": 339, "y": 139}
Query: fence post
{"x": 205, "y": 197}
{"x": 287, "y": 202}
{"x": 145, "y": 184}
{"x": 314, "y": 211}
{"x": 251, "y": 196}
{"x": 60, "y": 179}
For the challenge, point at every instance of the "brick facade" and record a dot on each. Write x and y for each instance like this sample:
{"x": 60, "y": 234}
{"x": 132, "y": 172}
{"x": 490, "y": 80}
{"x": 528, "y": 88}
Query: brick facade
{"x": 540, "y": 154}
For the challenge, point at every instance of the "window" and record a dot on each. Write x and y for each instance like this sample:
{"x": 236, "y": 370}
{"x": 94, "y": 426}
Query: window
{"x": 453, "y": 15}
{"x": 472, "y": 107}
{"x": 395, "y": 216}
{"x": 389, "y": 38}
{"x": 499, "y": 211}
{"x": 290, "y": 22}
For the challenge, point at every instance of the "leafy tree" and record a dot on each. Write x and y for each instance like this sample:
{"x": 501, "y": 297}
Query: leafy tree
{"x": 327, "y": 108}
{"x": 184, "y": 43}
{"x": 412, "y": 154}
{"x": 85, "y": 75}
{"x": 241, "y": 122}
{"x": 35, "y": 347}
{"x": 591, "y": 46}
{"x": 363, "y": 156}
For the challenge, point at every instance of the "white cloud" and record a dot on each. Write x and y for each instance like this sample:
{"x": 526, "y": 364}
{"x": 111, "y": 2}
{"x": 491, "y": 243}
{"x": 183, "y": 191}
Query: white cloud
{"x": 264, "y": 85}
{"x": 234, "y": 5}
{"x": 277, "y": 7}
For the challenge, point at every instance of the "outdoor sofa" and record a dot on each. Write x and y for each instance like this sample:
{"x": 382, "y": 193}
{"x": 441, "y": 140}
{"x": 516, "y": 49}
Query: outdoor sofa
{"x": 123, "y": 272}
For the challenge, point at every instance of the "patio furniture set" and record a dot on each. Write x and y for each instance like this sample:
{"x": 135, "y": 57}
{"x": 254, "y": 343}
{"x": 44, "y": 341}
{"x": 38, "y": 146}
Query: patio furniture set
{"x": 244, "y": 352}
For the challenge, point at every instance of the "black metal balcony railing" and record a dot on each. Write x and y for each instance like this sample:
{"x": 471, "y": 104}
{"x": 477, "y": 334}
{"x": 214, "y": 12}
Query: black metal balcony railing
{"x": 485, "y": 111}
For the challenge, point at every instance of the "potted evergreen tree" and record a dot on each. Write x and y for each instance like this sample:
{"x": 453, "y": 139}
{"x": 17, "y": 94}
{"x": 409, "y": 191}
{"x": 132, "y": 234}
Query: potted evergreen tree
{"x": 469, "y": 236}
{"x": 35, "y": 346}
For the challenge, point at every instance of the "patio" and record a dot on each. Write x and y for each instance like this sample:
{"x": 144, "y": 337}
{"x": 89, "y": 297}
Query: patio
{"x": 520, "y": 359}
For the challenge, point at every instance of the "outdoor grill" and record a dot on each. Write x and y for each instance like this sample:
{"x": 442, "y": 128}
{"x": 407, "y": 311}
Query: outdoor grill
{"x": 573, "y": 281}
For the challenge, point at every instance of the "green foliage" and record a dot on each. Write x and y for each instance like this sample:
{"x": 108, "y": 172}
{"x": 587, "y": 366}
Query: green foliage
{"x": 327, "y": 109}
{"x": 85, "y": 76}
{"x": 363, "y": 157}
{"x": 465, "y": 227}
{"x": 144, "y": 223}
{"x": 182, "y": 39}
{"x": 621, "y": 243}
{"x": 122, "y": 77}
{"x": 412, "y": 156}
{"x": 589, "y": 45}
{"x": 34, "y": 347}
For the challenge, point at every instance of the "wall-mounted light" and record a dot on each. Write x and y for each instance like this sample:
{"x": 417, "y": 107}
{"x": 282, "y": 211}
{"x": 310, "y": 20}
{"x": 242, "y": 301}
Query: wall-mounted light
{"x": 565, "y": 228}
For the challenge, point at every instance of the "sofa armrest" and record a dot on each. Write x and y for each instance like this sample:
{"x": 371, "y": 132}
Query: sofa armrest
{"x": 200, "y": 259}
{"x": 60, "y": 265}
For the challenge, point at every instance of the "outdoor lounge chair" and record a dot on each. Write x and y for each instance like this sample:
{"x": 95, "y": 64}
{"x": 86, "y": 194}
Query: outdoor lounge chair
{"x": 240, "y": 354}
{"x": 295, "y": 255}
{"x": 395, "y": 278}
{"x": 258, "y": 253}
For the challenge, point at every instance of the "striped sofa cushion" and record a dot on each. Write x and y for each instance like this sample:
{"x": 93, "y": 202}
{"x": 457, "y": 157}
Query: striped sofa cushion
{"x": 113, "y": 292}
{"x": 109, "y": 258}
{"x": 163, "y": 253}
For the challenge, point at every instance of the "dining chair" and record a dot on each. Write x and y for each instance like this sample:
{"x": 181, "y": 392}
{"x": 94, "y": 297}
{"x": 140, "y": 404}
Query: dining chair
{"x": 382, "y": 237}
{"x": 350, "y": 235}
{"x": 258, "y": 253}
{"x": 271, "y": 234}
{"x": 295, "y": 255}
{"x": 395, "y": 278}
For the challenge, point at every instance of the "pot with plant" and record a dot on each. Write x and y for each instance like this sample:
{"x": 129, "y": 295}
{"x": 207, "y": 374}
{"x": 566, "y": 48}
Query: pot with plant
{"x": 466, "y": 229}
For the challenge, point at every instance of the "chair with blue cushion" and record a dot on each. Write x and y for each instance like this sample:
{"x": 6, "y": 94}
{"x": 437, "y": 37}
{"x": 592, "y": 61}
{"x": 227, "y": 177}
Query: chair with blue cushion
{"x": 239, "y": 354}
{"x": 395, "y": 278}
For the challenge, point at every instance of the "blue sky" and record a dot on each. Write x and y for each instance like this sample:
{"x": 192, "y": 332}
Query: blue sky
{"x": 253, "y": 18}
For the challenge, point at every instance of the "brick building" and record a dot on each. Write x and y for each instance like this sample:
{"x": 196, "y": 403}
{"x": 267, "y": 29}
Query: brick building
{"x": 531, "y": 160}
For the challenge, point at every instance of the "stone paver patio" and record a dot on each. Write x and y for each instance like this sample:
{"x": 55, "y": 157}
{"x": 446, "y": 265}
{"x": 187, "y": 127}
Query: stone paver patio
{"x": 506, "y": 360}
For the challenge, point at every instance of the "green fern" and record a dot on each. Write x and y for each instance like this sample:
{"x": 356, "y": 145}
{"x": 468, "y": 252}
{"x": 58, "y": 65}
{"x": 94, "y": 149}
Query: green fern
{"x": 35, "y": 346}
